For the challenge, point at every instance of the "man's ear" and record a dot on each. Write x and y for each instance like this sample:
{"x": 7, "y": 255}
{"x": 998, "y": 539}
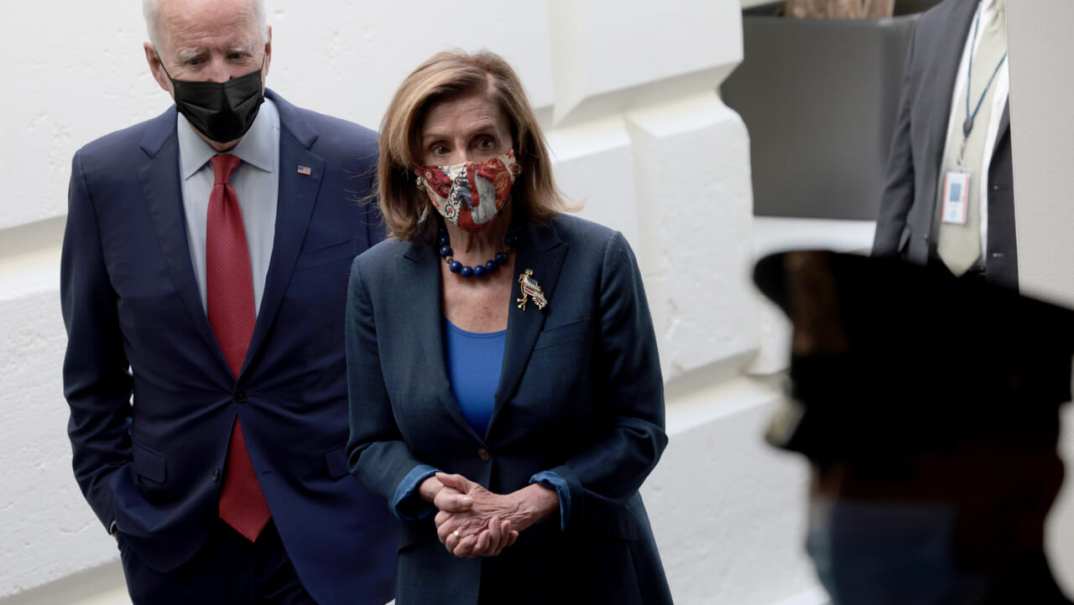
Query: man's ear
{"x": 268, "y": 55}
{"x": 152, "y": 57}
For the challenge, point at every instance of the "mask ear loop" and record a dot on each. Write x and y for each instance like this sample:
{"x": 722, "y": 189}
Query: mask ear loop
{"x": 160, "y": 60}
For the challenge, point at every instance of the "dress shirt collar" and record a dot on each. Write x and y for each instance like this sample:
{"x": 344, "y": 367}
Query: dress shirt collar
{"x": 257, "y": 148}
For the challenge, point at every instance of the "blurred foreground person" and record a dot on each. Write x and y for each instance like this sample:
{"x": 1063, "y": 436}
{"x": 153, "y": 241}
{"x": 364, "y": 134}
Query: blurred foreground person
{"x": 934, "y": 458}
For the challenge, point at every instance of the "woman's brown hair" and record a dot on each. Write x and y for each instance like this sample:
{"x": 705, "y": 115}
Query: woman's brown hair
{"x": 446, "y": 76}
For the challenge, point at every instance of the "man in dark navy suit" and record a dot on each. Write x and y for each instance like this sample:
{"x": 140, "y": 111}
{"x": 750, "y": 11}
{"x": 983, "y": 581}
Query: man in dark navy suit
{"x": 203, "y": 283}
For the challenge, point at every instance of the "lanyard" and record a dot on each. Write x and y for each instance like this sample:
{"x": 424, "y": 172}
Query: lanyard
{"x": 967, "y": 126}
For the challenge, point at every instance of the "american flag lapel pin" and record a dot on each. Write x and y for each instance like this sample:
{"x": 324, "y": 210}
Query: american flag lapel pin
{"x": 305, "y": 170}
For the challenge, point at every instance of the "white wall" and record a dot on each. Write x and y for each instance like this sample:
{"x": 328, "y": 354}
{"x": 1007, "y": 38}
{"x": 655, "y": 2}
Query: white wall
{"x": 1042, "y": 135}
{"x": 626, "y": 91}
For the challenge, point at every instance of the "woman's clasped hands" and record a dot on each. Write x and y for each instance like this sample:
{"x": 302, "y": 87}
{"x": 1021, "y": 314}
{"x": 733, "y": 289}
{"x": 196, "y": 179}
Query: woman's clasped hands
{"x": 471, "y": 521}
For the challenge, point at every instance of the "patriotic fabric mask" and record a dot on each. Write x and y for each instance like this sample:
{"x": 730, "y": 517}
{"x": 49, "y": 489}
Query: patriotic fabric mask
{"x": 472, "y": 193}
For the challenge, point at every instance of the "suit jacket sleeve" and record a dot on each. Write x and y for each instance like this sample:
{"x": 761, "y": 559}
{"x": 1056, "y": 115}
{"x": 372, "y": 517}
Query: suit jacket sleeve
{"x": 376, "y": 452}
{"x": 898, "y": 195}
{"x": 96, "y": 378}
{"x": 615, "y": 464}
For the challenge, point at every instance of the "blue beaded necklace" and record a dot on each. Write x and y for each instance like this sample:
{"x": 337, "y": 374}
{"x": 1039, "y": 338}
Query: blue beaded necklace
{"x": 480, "y": 270}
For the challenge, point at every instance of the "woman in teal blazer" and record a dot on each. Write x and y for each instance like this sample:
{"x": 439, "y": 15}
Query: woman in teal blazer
{"x": 506, "y": 396}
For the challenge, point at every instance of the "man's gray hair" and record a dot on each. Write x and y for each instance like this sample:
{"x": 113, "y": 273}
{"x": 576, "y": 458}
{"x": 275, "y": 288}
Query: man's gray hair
{"x": 151, "y": 11}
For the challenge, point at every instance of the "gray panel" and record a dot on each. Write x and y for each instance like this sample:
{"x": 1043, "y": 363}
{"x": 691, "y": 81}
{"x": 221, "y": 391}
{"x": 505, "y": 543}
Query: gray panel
{"x": 819, "y": 100}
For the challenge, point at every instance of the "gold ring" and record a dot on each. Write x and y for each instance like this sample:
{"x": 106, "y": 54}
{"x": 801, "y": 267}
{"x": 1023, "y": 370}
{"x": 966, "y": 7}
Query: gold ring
{"x": 455, "y": 534}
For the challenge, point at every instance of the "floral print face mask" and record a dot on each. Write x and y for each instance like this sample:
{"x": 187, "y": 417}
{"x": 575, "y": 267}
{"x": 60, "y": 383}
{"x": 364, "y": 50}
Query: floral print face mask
{"x": 472, "y": 193}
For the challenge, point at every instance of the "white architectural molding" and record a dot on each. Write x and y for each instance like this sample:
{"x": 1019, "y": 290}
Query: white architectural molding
{"x": 1042, "y": 135}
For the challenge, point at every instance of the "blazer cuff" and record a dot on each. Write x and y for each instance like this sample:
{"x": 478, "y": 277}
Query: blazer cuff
{"x": 553, "y": 480}
{"x": 406, "y": 502}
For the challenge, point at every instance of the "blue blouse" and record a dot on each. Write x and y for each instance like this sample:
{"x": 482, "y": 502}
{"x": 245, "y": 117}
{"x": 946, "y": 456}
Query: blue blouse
{"x": 473, "y": 364}
{"x": 474, "y": 361}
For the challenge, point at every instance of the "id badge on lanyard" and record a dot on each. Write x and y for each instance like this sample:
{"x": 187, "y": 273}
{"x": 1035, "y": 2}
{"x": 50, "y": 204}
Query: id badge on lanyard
{"x": 956, "y": 183}
{"x": 956, "y": 197}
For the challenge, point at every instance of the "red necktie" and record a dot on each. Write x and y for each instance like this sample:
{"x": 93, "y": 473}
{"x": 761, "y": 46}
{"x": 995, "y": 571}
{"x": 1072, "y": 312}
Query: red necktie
{"x": 229, "y": 288}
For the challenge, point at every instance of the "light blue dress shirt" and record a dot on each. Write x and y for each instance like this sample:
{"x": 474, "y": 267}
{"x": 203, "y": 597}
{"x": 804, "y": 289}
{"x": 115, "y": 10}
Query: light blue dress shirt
{"x": 256, "y": 182}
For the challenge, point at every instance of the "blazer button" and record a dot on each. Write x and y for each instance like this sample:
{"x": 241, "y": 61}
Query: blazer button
{"x": 216, "y": 475}
{"x": 484, "y": 454}
{"x": 240, "y": 396}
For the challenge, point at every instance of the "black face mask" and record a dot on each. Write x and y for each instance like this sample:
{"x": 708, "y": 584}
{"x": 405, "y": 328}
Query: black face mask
{"x": 222, "y": 111}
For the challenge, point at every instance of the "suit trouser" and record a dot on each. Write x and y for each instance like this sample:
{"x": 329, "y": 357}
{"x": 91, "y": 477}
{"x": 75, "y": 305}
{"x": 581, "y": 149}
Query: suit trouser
{"x": 228, "y": 569}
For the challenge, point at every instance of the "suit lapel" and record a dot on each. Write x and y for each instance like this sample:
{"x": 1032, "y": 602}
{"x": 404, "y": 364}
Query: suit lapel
{"x": 948, "y": 58}
{"x": 541, "y": 250}
{"x": 421, "y": 315}
{"x": 296, "y": 201}
{"x": 159, "y": 176}
{"x": 1004, "y": 126}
